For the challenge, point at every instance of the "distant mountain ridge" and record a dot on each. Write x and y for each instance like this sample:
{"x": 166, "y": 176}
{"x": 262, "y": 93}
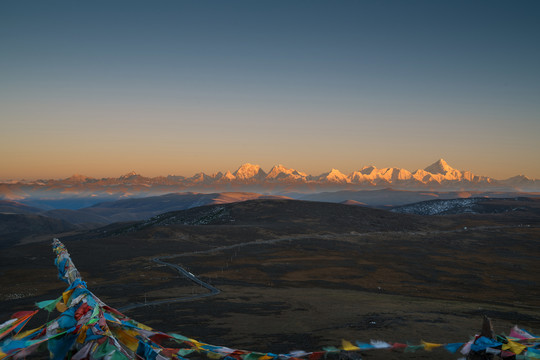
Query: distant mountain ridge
{"x": 249, "y": 177}
{"x": 133, "y": 209}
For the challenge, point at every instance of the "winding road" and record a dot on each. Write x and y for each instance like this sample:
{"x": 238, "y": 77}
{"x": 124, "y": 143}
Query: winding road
{"x": 215, "y": 291}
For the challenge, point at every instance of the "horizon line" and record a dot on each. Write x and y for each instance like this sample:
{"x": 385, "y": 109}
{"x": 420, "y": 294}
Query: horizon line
{"x": 135, "y": 173}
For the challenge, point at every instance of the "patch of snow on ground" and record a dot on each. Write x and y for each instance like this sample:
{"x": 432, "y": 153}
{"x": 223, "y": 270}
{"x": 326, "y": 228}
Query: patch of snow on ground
{"x": 438, "y": 207}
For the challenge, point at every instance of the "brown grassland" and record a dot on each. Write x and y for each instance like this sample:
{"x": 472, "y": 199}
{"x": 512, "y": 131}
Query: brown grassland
{"x": 301, "y": 275}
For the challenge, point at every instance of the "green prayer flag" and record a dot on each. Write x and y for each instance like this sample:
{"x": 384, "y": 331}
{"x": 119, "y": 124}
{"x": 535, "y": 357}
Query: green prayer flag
{"x": 253, "y": 356}
{"x": 48, "y": 305}
{"x": 413, "y": 348}
{"x": 180, "y": 337}
{"x": 184, "y": 352}
{"x": 104, "y": 349}
{"x": 331, "y": 349}
{"x": 117, "y": 355}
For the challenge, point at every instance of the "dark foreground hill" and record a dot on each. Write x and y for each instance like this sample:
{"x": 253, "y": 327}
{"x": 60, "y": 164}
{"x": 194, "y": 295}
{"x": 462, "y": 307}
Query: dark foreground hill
{"x": 302, "y": 275}
{"x": 288, "y": 216}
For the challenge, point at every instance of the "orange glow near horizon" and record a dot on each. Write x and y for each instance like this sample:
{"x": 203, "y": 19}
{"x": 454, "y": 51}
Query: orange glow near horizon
{"x": 160, "y": 90}
{"x": 157, "y": 144}
{"x": 60, "y": 166}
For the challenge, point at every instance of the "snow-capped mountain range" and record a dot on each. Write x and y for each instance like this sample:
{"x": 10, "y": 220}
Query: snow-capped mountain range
{"x": 249, "y": 177}
{"x": 438, "y": 173}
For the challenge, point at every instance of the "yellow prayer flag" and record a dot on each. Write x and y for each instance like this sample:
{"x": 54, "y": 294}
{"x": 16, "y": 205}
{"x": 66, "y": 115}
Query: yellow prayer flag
{"x": 197, "y": 344}
{"x": 142, "y": 326}
{"x": 82, "y": 334}
{"x": 430, "y": 346}
{"x": 60, "y": 306}
{"x": 514, "y": 347}
{"x": 25, "y": 333}
{"x": 347, "y": 346}
{"x": 66, "y": 295}
{"x": 265, "y": 357}
{"x": 127, "y": 337}
{"x": 212, "y": 355}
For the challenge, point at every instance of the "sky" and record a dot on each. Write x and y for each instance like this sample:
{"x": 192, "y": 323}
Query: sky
{"x": 101, "y": 88}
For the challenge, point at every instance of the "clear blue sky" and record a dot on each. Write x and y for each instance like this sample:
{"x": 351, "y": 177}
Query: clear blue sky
{"x": 175, "y": 87}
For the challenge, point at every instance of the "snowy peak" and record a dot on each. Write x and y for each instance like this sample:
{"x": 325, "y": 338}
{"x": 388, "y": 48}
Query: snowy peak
{"x": 280, "y": 172}
{"x": 368, "y": 170}
{"x": 334, "y": 176}
{"x": 228, "y": 176}
{"x": 277, "y": 170}
{"x": 518, "y": 180}
{"x": 395, "y": 174}
{"x": 370, "y": 174}
{"x": 77, "y": 178}
{"x": 439, "y": 167}
{"x": 224, "y": 178}
{"x": 423, "y": 176}
{"x": 367, "y": 174}
{"x": 249, "y": 171}
{"x": 129, "y": 175}
{"x": 201, "y": 178}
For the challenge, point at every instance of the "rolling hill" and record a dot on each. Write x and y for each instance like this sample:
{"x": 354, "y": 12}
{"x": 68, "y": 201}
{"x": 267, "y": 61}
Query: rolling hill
{"x": 15, "y": 227}
{"x": 287, "y": 216}
{"x": 146, "y": 207}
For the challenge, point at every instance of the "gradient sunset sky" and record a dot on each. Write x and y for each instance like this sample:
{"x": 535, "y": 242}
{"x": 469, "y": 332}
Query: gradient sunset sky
{"x": 175, "y": 87}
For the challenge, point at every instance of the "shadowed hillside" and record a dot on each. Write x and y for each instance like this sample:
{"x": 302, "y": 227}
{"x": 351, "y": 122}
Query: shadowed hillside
{"x": 14, "y": 227}
{"x": 285, "y": 217}
{"x": 146, "y": 207}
